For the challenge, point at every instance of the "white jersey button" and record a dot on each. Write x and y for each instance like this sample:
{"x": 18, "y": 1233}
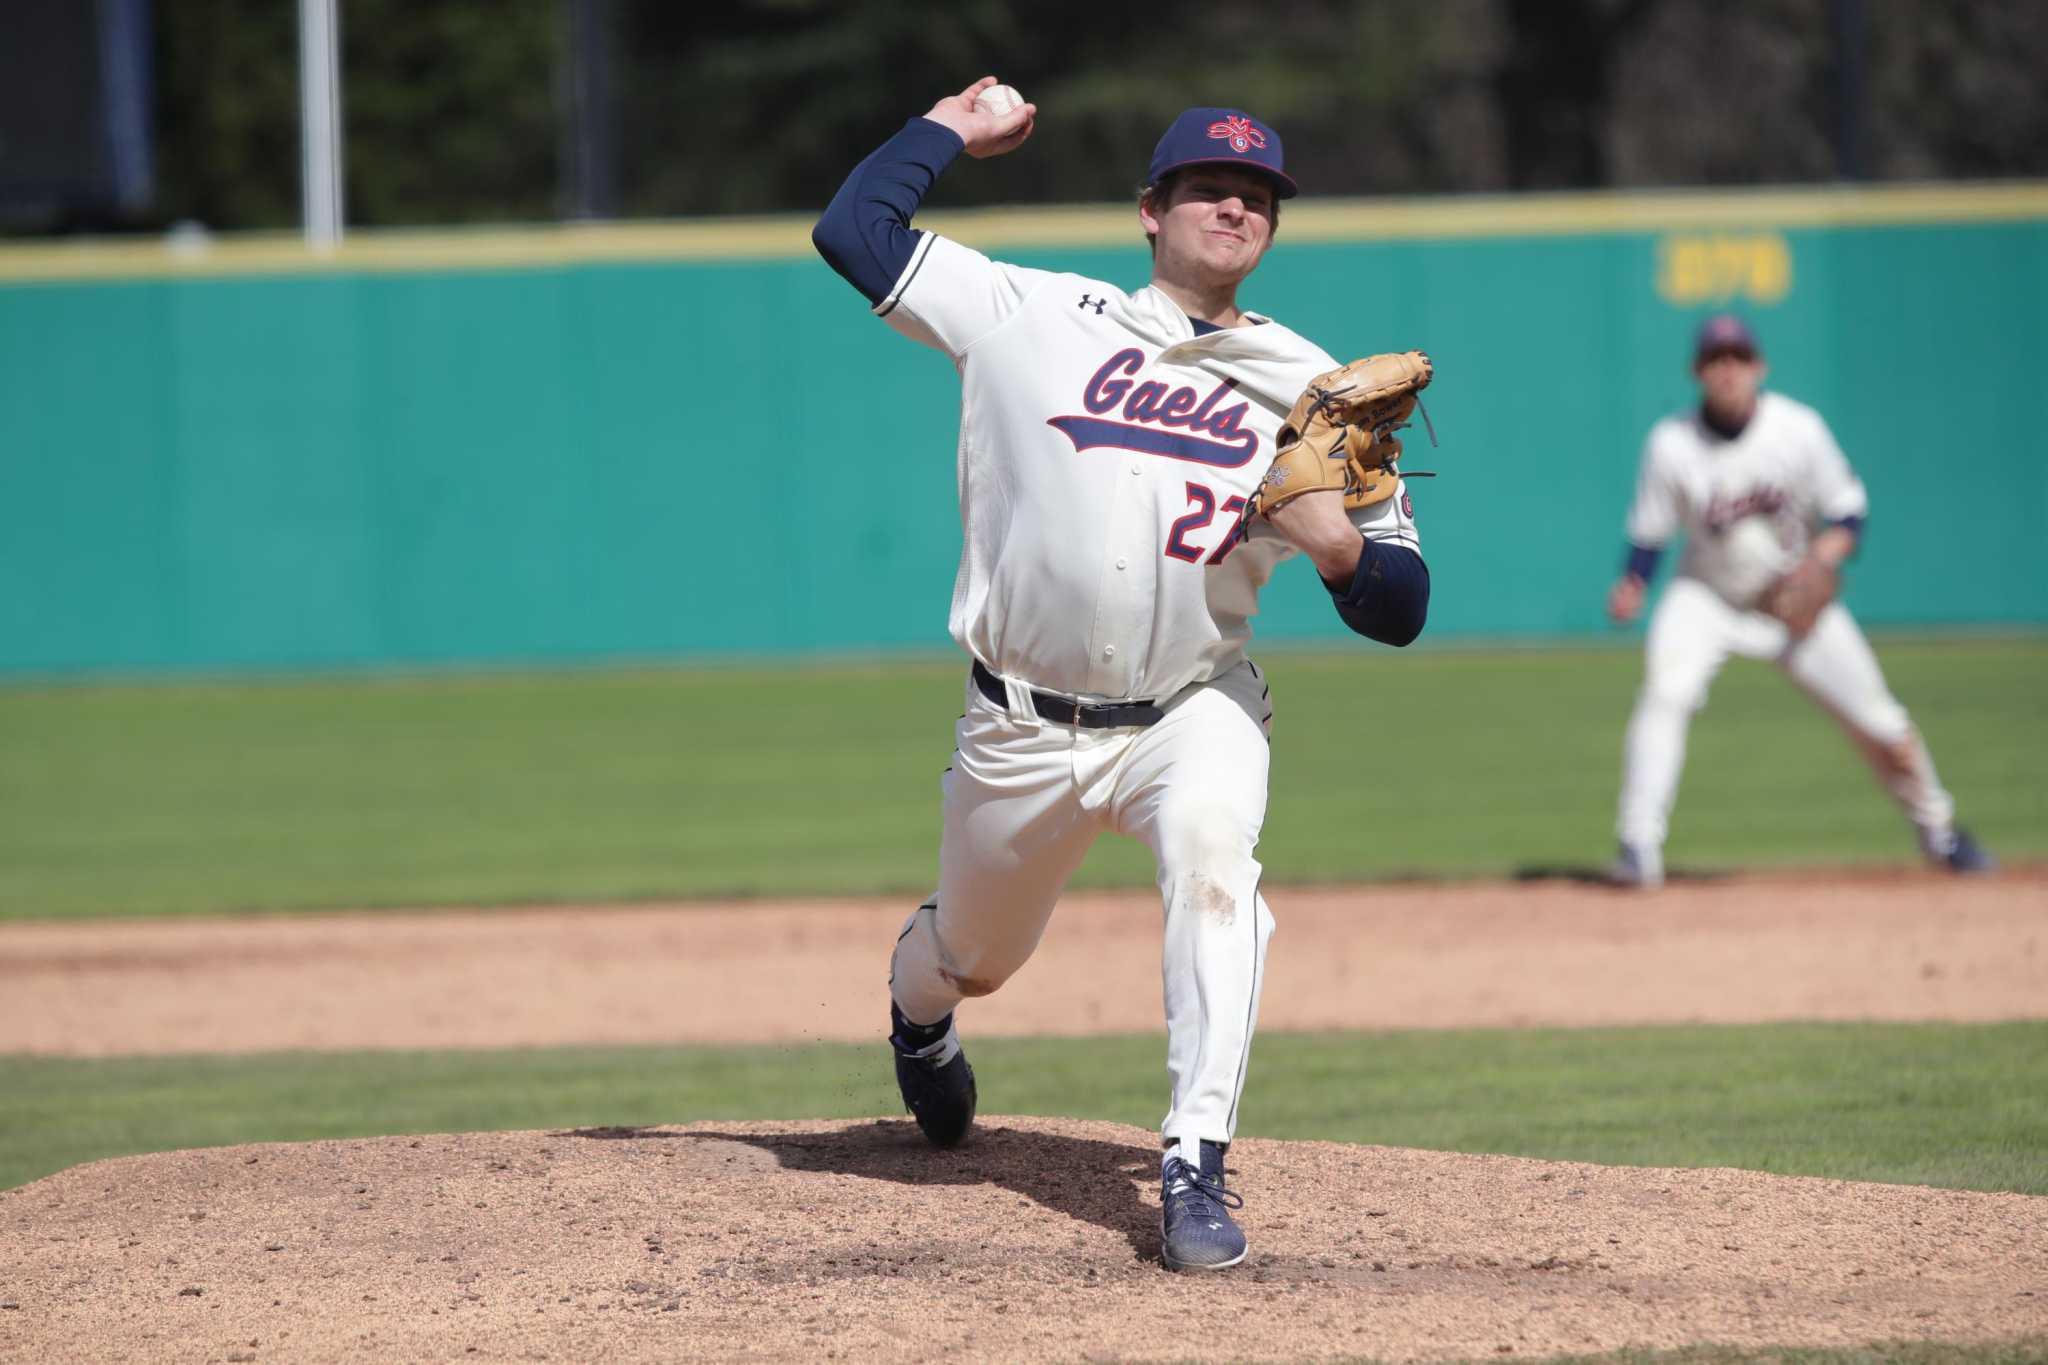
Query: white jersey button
{"x": 1109, "y": 651}
{"x": 1136, "y": 470}
{"x": 1121, "y": 562}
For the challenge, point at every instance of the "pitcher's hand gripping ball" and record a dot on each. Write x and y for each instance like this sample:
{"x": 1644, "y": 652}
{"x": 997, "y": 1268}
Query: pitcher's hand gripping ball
{"x": 998, "y": 100}
{"x": 1340, "y": 434}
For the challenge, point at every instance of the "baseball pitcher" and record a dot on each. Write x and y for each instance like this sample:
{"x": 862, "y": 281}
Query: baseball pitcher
{"x": 1132, "y": 467}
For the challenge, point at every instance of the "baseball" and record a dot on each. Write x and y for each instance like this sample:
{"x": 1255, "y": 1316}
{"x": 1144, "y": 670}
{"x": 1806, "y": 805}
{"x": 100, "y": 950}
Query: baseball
{"x": 998, "y": 100}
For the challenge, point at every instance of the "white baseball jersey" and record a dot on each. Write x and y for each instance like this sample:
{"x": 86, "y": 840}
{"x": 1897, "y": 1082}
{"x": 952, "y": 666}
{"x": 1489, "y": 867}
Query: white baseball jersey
{"x": 1106, "y": 452}
{"x": 1784, "y": 467}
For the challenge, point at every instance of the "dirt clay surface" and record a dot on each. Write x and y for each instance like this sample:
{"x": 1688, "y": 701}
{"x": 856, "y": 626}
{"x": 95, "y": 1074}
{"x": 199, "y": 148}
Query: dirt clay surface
{"x": 1874, "y": 945}
{"x": 796, "y": 1241}
{"x": 851, "y": 1239}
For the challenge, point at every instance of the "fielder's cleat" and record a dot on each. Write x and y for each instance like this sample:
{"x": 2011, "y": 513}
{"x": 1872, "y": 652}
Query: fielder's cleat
{"x": 1637, "y": 867}
{"x": 1195, "y": 1228}
{"x": 937, "y": 1083}
{"x": 1966, "y": 857}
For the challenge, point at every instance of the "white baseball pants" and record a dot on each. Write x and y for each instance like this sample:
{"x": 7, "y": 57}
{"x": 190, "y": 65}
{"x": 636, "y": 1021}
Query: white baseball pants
{"x": 1692, "y": 633}
{"x": 1025, "y": 799}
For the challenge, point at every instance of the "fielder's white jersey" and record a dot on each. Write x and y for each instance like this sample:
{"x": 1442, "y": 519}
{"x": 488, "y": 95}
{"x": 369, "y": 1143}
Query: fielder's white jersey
{"x": 1784, "y": 470}
{"x": 1106, "y": 452}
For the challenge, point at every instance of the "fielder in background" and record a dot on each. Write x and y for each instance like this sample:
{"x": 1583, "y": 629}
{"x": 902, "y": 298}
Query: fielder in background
{"x": 1770, "y": 510}
{"x": 1110, "y": 444}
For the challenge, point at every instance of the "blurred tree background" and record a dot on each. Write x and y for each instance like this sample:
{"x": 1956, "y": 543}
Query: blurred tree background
{"x": 463, "y": 111}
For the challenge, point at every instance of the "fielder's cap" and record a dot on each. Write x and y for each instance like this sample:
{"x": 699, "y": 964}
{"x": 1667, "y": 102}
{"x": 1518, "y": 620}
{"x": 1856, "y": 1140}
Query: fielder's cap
{"x": 1221, "y": 137}
{"x": 1724, "y": 334}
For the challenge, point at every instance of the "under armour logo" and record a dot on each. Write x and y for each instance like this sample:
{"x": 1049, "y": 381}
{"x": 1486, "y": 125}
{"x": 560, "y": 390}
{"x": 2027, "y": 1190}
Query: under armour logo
{"x": 1097, "y": 304}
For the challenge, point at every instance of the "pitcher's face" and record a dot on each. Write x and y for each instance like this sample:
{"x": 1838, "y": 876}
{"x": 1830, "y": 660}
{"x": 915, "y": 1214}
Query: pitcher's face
{"x": 1213, "y": 226}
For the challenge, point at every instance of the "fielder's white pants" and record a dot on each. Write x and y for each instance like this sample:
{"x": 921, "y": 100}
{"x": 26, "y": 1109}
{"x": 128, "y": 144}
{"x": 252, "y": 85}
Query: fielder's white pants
{"x": 1692, "y": 633}
{"x": 1024, "y": 800}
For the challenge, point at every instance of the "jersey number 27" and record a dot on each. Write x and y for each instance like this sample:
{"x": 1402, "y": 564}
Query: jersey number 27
{"x": 1203, "y": 500}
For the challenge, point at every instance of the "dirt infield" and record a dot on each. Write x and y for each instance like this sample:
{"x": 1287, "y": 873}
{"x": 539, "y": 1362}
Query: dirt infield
{"x": 1897, "y": 945}
{"x": 852, "y": 1240}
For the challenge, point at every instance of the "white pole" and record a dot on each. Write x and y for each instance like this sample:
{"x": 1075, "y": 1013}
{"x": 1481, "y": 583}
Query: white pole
{"x": 320, "y": 121}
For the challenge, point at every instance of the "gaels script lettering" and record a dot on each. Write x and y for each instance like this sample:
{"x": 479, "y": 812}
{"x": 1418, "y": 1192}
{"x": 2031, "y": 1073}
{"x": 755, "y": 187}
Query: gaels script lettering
{"x": 1727, "y": 509}
{"x": 1158, "y": 420}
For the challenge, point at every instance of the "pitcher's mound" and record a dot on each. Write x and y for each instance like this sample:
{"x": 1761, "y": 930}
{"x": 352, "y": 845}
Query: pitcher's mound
{"x": 1039, "y": 1239}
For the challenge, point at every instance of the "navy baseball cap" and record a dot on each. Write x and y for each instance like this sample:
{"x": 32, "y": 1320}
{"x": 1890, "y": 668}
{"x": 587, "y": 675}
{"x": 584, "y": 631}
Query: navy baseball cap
{"x": 1724, "y": 334}
{"x": 1221, "y": 137}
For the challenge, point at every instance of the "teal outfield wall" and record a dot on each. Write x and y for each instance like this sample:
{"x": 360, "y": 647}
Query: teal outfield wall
{"x": 683, "y": 458}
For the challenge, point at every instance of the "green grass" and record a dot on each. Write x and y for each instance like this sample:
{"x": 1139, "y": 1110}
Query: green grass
{"x": 1957, "y": 1106}
{"x": 187, "y": 797}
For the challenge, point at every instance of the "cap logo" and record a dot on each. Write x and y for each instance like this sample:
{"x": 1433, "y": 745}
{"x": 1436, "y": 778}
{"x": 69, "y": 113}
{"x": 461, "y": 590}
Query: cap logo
{"x": 1239, "y": 133}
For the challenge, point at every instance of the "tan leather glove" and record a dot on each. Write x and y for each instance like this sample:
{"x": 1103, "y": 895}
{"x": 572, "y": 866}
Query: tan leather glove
{"x": 1340, "y": 433}
{"x": 1797, "y": 598}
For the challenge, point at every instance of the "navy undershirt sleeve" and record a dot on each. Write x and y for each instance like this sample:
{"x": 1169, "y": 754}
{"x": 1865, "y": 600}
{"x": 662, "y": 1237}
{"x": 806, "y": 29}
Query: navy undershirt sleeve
{"x": 865, "y": 232}
{"x": 1388, "y": 598}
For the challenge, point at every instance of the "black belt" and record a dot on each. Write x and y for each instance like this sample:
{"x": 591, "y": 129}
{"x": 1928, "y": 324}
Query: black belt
{"x": 1113, "y": 715}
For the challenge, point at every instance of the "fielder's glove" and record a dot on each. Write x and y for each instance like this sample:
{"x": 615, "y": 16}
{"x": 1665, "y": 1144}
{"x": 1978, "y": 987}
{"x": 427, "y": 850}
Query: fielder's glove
{"x": 1341, "y": 433}
{"x": 1797, "y": 597}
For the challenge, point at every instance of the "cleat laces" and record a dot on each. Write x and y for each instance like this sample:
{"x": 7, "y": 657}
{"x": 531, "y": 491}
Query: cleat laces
{"x": 1196, "y": 1193}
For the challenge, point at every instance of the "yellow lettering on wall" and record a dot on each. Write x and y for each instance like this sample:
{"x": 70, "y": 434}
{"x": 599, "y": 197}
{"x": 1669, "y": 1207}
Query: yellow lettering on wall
{"x": 1722, "y": 266}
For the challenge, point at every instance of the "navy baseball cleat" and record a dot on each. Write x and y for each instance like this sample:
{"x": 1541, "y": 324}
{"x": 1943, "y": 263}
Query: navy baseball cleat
{"x": 1967, "y": 857}
{"x": 1195, "y": 1228}
{"x": 932, "y": 1073}
{"x": 1637, "y": 866}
